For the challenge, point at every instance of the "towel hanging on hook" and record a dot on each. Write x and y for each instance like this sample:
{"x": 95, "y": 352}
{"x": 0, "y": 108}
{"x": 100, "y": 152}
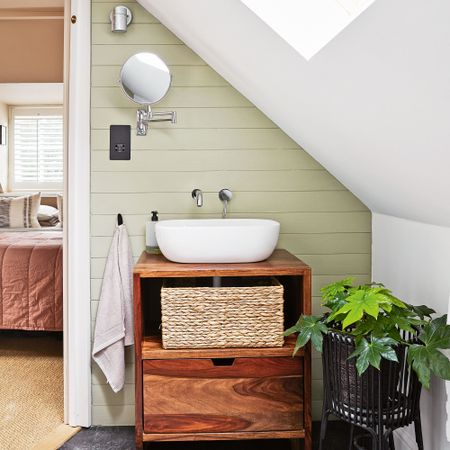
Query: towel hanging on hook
{"x": 119, "y": 219}
{"x": 114, "y": 321}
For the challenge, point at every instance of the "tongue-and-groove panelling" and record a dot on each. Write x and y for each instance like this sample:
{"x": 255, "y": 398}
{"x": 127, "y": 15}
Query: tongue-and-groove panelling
{"x": 220, "y": 140}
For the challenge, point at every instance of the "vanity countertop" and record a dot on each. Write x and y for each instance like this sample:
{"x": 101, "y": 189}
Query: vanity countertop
{"x": 281, "y": 262}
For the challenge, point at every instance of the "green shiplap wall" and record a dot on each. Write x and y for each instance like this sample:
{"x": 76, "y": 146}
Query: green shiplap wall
{"x": 220, "y": 140}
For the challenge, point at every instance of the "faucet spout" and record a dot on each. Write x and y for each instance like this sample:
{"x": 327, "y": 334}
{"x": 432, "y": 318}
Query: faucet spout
{"x": 224, "y": 210}
{"x": 197, "y": 195}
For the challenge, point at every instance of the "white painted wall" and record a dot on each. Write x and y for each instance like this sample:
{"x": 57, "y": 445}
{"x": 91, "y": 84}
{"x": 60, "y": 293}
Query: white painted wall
{"x": 372, "y": 106}
{"x": 4, "y": 148}
{"x": 307, "y": 25}
{"x": 413, "y": 259}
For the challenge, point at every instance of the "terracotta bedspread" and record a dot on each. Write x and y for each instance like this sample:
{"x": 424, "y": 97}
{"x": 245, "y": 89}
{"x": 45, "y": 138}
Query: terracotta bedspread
{"x": 31, "y": 280}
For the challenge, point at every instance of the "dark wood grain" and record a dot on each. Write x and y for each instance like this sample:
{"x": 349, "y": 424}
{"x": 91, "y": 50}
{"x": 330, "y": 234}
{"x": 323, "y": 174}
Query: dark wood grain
{"x": 241, "y": 367}
{"x": 280, "y": 263}
{"x": 198, "y": 423}
{"x": 171, "y": 437}
{"x": 307, "y": 418}
{"x": 185, "y": 403}
{"x": 152, "y": 349}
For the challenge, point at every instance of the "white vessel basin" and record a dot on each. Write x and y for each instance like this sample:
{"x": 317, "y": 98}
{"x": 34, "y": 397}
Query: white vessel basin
{"x": 217, "y": 240}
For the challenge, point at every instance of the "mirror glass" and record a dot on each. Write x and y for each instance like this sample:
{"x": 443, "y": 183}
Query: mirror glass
{"x": 145, "y": 78}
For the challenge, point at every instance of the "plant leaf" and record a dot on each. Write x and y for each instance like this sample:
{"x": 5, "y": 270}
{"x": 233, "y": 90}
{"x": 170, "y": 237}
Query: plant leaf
{"x": 359, "y": 302}
{"x": 308, "y": 328}
{"x": 330, "y": 291}
{"x": 369, "y": 326}
{"x": 372, "y": 352}
{"x": 427, "y": 358}
{"x": 402, "y": 319}
{"x": 292, "y": 330}
{"x": 439, "y": 364}
{"x": 436, "y": 334}
{"x": 422, "y": 310}
{"x": 418, "y": 359}
{"x": 394, "y": 300}
{"x": 361, "y": 352}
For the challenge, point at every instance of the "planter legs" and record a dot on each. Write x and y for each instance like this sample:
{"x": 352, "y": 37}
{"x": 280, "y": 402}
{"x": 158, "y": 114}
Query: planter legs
{"x": 418, "y": 429}
{"x": 323, "y": 426}
{"x": 391, "y": 441}
{"x": 352, "y": 429}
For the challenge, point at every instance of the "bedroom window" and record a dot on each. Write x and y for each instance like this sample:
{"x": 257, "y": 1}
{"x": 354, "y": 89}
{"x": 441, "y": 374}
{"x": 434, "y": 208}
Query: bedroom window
{"x": 36, "y": 148}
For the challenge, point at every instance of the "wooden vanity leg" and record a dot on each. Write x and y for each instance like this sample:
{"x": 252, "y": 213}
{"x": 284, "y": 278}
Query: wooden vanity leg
{"x": 139, "y": 442}
{"x": 308, "y": 441}
{"x": 138, "y": 361}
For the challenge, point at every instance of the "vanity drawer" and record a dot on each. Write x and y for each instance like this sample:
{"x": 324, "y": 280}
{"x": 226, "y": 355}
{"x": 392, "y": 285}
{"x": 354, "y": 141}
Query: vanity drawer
{"x": 222, "y": 395}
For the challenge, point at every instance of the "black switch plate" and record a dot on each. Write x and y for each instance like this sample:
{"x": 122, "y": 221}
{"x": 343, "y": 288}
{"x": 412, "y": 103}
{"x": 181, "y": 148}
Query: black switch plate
{"x": 120, "y": 142}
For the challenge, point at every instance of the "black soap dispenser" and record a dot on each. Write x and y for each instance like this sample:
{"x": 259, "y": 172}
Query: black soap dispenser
{"x": 151, "y": 245}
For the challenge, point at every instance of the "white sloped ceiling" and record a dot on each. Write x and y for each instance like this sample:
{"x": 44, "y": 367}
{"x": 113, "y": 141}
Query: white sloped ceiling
{"x": 373, "y": 106}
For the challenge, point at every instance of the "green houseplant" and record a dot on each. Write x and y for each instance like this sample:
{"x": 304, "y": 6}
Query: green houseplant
{"x": 375, "y": 319}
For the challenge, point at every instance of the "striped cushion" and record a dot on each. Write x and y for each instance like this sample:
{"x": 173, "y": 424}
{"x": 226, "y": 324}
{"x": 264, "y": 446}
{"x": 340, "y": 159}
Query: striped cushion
{"x": 20, "y": 212}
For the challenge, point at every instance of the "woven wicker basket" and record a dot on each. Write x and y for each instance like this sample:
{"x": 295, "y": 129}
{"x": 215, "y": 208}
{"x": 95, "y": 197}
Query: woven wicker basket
{"x": 249, "y": 313}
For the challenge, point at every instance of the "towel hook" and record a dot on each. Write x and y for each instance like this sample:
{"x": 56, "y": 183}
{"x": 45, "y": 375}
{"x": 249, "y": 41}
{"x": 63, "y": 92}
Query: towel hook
{"x": 119, "y": 219}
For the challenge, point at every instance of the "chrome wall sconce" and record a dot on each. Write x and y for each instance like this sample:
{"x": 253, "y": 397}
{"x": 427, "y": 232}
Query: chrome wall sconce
{"x": 120, "y": 18}
{"x": 145, "y": 79}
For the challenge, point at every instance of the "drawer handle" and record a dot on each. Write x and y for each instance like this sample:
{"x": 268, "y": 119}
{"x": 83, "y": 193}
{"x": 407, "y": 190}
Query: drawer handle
{"x": 223, "y": 361}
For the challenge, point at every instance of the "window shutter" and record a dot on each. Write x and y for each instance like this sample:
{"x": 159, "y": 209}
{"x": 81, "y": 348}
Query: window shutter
{"x": 38, "y": 149}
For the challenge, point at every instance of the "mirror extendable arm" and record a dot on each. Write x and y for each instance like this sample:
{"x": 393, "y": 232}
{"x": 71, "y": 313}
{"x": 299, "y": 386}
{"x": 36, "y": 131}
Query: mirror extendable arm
{"x": 169, "y": 116}
{"x": 144, "y": 116}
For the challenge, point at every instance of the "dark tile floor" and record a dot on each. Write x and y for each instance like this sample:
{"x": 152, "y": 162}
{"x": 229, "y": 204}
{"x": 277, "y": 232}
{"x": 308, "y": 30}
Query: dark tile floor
{"x": 122, "y": 438}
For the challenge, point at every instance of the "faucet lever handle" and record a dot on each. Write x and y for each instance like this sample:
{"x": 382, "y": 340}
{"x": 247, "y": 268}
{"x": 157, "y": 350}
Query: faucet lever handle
{"x": 225, "y": 195}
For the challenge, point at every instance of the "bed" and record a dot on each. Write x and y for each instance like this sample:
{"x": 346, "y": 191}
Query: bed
{"x": 31, "y": 280}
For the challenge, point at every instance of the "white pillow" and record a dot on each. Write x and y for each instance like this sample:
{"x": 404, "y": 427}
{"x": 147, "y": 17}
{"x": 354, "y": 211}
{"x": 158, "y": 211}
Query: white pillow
{"x": 46, "y": 212}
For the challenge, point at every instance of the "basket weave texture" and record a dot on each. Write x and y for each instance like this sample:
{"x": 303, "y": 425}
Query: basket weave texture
{"x": 223, "y": 317}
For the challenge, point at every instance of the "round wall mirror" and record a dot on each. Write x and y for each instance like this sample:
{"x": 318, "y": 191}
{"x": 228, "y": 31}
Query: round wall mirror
{"x": 145, "y": 78}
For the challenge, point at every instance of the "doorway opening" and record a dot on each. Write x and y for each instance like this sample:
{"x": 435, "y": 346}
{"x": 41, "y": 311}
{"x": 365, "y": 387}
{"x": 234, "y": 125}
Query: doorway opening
{"x": 32, "y": 180}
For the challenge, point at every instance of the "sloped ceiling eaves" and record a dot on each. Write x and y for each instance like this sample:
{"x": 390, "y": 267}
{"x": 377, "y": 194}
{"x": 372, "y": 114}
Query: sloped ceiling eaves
{"x": 373, "y": 106}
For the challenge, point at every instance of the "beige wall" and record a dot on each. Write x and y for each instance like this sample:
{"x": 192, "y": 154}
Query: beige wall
{"x": 32, "y": 50}
{"x": 220, "y": 140}
{"x": 4, "y": 148}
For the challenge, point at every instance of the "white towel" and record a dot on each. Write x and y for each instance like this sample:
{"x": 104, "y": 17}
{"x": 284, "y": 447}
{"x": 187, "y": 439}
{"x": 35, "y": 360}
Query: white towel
{"x": 114, "y": 323}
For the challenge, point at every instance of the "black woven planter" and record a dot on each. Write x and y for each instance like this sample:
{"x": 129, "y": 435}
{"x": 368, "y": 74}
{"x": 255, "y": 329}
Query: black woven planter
{"x": 379, "y": 401}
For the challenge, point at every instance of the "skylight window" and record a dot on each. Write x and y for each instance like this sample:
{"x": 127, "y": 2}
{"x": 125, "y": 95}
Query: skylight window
{"x": 307, "y": 25}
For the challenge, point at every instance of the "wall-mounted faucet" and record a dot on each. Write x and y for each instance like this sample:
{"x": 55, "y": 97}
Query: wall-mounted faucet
{"x": 225, "y": 196}
{"x": 197, "y": 195}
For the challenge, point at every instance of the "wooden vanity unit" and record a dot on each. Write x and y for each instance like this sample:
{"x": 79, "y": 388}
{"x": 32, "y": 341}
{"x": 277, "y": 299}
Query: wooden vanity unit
{"x": 220, "y": 394}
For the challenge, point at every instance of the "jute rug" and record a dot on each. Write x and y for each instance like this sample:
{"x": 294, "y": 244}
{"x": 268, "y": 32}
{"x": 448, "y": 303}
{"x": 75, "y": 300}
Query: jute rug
{"x": 31, "y": 390}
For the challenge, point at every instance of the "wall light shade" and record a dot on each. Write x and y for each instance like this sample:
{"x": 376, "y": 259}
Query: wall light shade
{"x": 120, "y": 18}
